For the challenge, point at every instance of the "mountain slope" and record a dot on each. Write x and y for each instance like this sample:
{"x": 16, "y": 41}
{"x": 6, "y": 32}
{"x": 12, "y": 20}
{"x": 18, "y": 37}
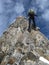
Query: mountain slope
{"x": 18, "y": 46}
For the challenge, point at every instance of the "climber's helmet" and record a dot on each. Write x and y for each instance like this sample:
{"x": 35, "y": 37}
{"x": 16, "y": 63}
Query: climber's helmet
{"x": 31, "y": 11}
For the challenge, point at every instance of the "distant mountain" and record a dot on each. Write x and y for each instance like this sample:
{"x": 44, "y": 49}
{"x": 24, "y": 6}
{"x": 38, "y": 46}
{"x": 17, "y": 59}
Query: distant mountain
{"x": 19, "y": 47}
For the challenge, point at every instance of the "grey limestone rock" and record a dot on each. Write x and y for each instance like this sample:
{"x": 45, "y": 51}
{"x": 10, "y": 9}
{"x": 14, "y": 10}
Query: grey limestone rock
{"x": 19, "y": 47}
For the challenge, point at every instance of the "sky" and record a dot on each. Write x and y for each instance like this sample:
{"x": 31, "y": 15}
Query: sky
{"x": 11, "y": 9}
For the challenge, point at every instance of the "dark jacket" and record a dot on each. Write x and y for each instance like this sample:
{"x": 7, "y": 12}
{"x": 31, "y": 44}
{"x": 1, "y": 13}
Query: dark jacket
{"x": 31, "y": 15}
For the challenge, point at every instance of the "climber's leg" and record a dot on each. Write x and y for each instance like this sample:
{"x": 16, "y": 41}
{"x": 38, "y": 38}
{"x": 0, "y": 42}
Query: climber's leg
{"x": 29, "y": 27}
{"x": 34, "y": 25}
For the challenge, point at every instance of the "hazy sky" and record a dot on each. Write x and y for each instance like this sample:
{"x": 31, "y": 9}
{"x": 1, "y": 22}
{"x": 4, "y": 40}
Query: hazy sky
{"x": 10, "y": 9}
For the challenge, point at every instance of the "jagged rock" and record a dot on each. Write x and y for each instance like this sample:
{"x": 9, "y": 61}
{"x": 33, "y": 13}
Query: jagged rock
{"x": 19, "y": 47}
{"x": 11, "y": 60}
{"x": 5, "y": 60}
{"x": 1, "y": 56}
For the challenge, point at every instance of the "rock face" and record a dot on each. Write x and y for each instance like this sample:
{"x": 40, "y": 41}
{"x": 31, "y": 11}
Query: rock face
{"x": 19, "y": 47}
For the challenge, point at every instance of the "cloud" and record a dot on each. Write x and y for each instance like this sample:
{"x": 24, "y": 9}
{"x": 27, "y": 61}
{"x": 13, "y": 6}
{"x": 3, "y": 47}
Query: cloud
{"x": 1, "y": 7}
{"x": 19, "y": 8}
{"x": 44, "y": 8}
{"x": 45, "y": 15}
{"x": 42, "y": 4}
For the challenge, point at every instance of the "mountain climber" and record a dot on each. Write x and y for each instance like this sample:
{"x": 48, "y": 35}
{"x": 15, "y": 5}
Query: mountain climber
{"x": 31, "y": 15}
